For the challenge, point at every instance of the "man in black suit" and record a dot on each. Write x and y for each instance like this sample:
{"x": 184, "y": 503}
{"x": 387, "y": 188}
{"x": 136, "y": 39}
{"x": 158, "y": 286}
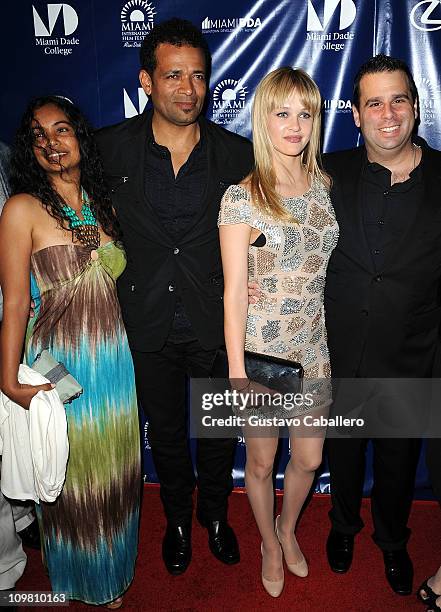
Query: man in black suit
{"x": 168, "y": 170}
{"x": 382, "y": 299}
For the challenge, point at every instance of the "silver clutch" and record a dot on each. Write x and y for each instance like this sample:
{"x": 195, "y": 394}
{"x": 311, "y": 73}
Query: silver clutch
{"x": 68, "y": 388}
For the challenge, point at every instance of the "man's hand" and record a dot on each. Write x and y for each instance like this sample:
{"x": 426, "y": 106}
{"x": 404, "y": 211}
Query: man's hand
{"x": 254, "y": 293}
{"x": 23, "y": 394}
{"x": 31, "y": 310}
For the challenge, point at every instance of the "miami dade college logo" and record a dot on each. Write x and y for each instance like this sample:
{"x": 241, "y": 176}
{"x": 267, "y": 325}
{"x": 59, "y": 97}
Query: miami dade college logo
{"x": 130, "y": 109}
{"x": 70, "y": 19}
{"x": 56, "y": 45}
{"x": 229, "y": 99}
{"x": 347, "y": 15}
{"x": 137, "y": 19}
{"x": 348, "y": 12}
{"x": 421, "y": 16}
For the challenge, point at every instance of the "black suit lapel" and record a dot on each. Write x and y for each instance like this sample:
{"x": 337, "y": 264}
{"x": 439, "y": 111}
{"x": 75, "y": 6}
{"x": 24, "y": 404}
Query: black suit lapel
{"x": 135, "y": 164}
{"x": 352, "y": 204}
{"x": 432, "y": 186}
{"x": 135, "y": 160}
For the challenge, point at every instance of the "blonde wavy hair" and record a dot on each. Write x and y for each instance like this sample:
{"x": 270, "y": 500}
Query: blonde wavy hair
{"x": 272, "y": 92}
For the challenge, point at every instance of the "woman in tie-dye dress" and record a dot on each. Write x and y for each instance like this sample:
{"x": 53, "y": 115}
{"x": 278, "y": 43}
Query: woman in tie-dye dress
{"x": 59, "y": 230}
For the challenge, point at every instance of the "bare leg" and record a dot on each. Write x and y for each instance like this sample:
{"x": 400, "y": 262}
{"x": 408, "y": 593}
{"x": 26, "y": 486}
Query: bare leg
{"x": 306, "y": 456}
{"x": 259, "y": 484}
{"x": 437, "y": 585}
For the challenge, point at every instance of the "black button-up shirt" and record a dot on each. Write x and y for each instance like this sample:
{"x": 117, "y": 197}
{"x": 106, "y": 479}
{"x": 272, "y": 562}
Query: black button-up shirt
{"x": 388, "y": 210}
{"x": 177, "y": 202}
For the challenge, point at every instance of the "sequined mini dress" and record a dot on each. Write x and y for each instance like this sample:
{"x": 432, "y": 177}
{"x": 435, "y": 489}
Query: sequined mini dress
{"x": 288, "y": 321}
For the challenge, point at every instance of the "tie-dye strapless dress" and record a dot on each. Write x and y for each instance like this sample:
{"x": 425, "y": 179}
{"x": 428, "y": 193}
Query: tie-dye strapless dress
{"x": 90, "y": 533}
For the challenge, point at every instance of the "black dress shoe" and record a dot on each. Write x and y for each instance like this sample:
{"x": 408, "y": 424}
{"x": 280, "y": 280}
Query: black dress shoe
{"x": 30, "y": 536}
{"x": 339, "y": 548}
{"x": 399, "y": 570}
{"x": 222, "y": 541}
{"x": 176, "y": 548}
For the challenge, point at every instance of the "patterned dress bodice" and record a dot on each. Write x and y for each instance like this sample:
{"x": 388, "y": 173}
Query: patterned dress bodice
{"x": 69, "y": 288}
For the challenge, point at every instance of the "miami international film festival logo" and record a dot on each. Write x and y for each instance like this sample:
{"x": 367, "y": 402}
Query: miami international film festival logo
{"x": 230, "y": 24}
{"x": 426, "y": 15}
{"x": 60, "y": 19}
{"x": 429, "y": 94}
{"x": 316, "y": 27}
{"x": 137, "y": 20}
{"x": 229, "y": 99}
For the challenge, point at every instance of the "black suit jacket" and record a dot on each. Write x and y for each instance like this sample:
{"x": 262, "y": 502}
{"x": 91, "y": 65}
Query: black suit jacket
{"x": 156, "y": 265}
{"x": 383, "y": 323}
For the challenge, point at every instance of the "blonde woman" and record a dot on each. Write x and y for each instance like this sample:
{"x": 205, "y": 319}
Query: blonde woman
{"x": 278, "y": 228}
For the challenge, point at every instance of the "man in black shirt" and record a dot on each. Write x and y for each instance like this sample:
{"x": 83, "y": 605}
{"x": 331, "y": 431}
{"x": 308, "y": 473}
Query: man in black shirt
{"x": 382, "y": 299}
{"x": 168, "y": 169}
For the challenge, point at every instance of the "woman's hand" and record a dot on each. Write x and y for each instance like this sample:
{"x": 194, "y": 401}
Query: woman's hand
{"x": 23, "y": 394}
{"x": 252, "y": 394}
{"x": 240, "y": 383}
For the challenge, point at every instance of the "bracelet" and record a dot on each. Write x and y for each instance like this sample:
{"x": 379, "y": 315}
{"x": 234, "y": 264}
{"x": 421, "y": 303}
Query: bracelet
{"x": 243, "y": 388}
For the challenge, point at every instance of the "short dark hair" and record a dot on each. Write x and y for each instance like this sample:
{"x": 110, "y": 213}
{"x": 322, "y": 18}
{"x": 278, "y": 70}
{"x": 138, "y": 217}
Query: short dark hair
{"x": 382, "y": 63}
{"x": 177, "y": 32}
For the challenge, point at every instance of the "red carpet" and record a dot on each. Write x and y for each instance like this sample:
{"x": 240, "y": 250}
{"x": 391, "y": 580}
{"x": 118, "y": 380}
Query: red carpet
{"x": 208, "y": 585}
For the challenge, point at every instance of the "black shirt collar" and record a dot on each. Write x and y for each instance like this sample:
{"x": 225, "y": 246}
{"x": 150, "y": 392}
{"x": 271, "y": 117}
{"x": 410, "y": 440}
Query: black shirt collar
{"x": 152, "y": 145}
{"x": 380, "y": 174}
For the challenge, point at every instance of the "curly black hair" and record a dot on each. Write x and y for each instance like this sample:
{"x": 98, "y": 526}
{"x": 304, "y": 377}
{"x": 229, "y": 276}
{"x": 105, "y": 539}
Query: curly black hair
{"x": 177, "y": 32}
{"x": 27, "y": 176}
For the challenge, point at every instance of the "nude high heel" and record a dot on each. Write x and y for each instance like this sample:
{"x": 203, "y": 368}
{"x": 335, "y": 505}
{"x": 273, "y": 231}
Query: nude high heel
{"x": 115, "y": 604}
{"x": 300, "y": 568}
{"x": 272, "y": 587}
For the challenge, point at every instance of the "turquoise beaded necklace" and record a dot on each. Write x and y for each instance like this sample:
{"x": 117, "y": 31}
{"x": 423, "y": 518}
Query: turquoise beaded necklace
{"x": 86, "y": 229}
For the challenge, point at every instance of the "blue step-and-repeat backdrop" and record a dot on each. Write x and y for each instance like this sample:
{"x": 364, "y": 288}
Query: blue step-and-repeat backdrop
{"x": 88, "y": 50}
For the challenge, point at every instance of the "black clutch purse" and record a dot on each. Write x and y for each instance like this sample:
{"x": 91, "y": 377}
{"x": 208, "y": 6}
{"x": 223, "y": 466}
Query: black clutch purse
{"x": 277, "y": 374}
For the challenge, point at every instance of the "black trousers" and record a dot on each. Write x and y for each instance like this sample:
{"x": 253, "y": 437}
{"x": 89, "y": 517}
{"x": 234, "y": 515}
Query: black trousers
{"x": 433, "y": 461}
{"x": 394, "y": 469}
{"x": 161, "y": 387}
